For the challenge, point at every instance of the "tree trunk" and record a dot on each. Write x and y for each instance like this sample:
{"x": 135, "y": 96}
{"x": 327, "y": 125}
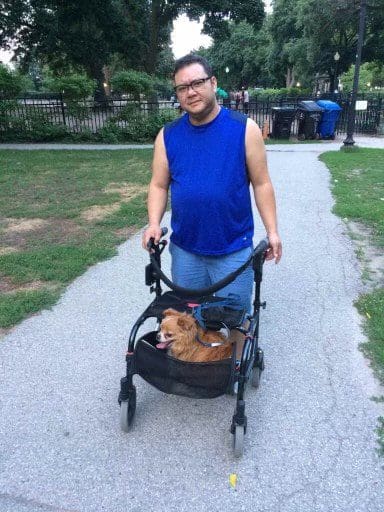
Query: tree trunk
{"x": 100, "y": 97}
{"x": 290, "y": 78}
{"x": 153, "y": 50}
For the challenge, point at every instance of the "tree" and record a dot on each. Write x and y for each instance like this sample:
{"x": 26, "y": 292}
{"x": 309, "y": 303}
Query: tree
{"x": 332, "y": 26}
{"x": 11, "y": 83}
{"x": 286, "y": 48}
{"x": 85, "y": 35}
{"x": 242, "y": 54}
{"x": 371, "y": 74}
{"x": 132, "y": 82}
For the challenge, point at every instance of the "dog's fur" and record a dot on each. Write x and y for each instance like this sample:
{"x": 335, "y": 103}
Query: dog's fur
{"x": 179, "y": 333}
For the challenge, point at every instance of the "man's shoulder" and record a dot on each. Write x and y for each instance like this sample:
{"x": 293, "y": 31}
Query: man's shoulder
{"x": 172, "y": 124}
{"x": 239, "y": 117}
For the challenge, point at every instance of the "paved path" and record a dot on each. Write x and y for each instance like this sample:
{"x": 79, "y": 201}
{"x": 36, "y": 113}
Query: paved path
{"x": 310, "y": 445}
{"x": 370, "y": 142}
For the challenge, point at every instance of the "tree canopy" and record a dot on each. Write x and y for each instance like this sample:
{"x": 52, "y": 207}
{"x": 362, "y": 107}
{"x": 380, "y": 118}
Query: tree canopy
{"x": 296, "y": 42}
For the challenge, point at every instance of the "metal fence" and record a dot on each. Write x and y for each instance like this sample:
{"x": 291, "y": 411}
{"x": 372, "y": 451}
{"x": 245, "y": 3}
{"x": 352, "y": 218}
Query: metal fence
{"x": 23, "y": 116}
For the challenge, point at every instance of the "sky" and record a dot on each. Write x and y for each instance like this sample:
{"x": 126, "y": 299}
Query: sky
{"x": 186, "y": 36}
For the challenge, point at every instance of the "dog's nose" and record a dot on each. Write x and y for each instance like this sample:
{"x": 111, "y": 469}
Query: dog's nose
{"x": 158, "y": 336}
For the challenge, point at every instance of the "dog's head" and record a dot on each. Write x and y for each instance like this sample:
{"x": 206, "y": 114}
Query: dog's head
{"x": 175, "y": 327}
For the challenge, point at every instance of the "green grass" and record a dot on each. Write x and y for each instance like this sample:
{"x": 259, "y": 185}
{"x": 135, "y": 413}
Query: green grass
{"x": 23, "y": 304}
{"x": 54, "y": 189}
{"x": 371, "y": 306}
{"x": 358, "y": 188}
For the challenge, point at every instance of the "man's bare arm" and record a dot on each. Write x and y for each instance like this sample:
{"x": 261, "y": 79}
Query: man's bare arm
{"x": 262, "y": 186}
{"x": 157, "y": 191}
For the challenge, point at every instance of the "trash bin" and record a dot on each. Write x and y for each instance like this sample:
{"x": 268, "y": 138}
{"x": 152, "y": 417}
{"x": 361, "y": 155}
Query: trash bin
{"x": 282, "y": 118}
{"x": 309, "y": 115}
{"x": 327, "y": 126}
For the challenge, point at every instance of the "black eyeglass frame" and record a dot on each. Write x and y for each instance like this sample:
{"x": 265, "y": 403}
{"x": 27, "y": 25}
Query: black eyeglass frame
{"x": 191, "y": 84}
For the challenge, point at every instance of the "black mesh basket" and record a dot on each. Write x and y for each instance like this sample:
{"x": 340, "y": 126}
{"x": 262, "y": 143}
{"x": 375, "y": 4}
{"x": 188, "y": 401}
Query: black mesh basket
{"x": 172, "y": 376}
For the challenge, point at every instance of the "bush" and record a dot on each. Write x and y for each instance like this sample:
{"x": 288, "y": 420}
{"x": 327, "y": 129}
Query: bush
{"x": 32, "y": 126}
{"x": 11, "y": 83}
{"x": 132, "y": 82}
{"x": 133, "y": 125}
{"x": 276, "y": 94}
{"x": 75, "y": 86}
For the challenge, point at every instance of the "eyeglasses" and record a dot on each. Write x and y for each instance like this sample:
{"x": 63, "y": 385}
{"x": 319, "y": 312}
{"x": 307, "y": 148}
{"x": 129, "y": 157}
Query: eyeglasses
{"x": 196, "y": 85}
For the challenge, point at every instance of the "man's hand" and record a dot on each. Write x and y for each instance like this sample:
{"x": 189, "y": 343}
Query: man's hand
{"x": 151, "y": 232}
{"x": 275, "y": 249}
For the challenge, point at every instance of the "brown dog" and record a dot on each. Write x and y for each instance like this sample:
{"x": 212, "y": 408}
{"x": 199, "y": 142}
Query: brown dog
{"x": 186, "y": 340}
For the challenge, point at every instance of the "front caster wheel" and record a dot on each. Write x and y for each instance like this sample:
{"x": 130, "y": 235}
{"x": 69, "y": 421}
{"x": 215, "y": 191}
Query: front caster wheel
{"x": 238, "y": 440}
{"x": 127, "y": 411}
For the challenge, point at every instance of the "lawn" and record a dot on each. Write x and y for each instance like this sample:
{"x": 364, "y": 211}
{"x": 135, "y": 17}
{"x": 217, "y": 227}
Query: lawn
{"x": 60, "y": 212}
{"x": 358, "y": 188}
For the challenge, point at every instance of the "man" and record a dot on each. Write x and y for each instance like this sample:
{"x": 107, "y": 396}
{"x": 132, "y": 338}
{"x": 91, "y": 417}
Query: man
{"x": 207, "y": 158}
{"x": 245, "y": 100}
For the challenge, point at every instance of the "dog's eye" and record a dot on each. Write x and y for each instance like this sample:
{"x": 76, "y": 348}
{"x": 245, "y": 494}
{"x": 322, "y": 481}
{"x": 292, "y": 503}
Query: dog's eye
{"x": 168, "y": 335}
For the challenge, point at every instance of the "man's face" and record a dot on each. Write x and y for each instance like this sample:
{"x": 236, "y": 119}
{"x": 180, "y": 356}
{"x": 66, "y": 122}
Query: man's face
{"x": 199, "y": 99}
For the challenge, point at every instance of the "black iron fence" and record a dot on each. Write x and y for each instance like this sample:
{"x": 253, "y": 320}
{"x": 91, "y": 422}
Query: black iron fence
{"x": 53, "y": 117}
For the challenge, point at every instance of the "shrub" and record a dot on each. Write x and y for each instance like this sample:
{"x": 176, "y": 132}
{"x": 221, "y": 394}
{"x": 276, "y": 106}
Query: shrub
{"x": 32, "y": 126}
{"x": 275, "y": 94}
{"x": 132, "y": 82}
{"x": 11, "y": 83}
{"x": 75, "y": 86}
{"x": 135, "y": 126}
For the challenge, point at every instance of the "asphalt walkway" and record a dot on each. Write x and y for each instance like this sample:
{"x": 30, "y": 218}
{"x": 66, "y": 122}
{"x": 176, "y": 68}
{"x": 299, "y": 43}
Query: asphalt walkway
{"x": 310, "y": 446}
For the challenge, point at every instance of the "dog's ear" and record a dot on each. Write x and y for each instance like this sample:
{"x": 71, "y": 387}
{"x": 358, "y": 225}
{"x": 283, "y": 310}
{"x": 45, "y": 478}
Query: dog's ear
{"x": 170, "y": 312}
{"x": 186, "y": 322}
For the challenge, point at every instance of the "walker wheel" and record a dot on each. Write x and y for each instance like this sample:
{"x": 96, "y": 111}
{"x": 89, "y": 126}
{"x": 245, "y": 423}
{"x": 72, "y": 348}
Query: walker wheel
{"x": 257, "y": 369}
{"x": 127, "y": 411}
{"x": 238, "y": 440}
{"x": 255, "y": 379}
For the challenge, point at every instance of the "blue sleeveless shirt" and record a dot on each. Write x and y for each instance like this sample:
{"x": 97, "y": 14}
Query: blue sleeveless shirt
{"x": 210, "y": 196}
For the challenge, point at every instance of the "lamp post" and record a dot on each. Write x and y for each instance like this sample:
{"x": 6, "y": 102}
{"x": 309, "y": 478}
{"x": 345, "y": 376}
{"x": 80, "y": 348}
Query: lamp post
{"x": 336, "y": 58}
{"x": 352, "y": 112}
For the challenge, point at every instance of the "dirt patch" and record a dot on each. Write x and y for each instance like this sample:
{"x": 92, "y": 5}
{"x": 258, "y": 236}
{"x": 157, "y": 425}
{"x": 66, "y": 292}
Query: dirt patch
{"x": 127, "y": 191}
{"x": 24, "y": 235}
{"x": 7, "y": 286}
{"x": 126, "y": 232}
{"x": 96, "y": 213}
{"x": 3, "y": 332}
{"x": 7, "y": 250}
{"x": 372, "y": 258}
{"x": 24, "y": 225}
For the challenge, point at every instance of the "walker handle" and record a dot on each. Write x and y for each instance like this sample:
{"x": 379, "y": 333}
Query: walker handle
{"x": 151, "y": 243}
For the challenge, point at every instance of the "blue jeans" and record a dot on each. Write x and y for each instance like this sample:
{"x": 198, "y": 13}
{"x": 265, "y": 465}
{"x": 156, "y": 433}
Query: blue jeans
{"x": 194, "y": 271}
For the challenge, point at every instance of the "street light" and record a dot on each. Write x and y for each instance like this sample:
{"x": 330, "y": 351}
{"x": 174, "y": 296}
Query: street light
{"x": 336, "y": 58}
{"x": 352, "y": 107}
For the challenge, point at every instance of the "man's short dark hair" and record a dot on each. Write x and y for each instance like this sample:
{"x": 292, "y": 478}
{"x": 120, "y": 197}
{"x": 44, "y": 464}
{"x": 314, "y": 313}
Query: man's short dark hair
{"x": 189, "y": 59}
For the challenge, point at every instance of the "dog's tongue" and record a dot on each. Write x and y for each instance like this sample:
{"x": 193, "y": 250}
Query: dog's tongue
{"x": 163, "y": 344}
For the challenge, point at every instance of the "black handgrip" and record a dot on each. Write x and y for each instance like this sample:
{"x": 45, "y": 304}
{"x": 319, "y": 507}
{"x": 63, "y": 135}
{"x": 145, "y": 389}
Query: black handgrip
{"x": 258, "y": 252}
{"x": 151, "y": 243}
